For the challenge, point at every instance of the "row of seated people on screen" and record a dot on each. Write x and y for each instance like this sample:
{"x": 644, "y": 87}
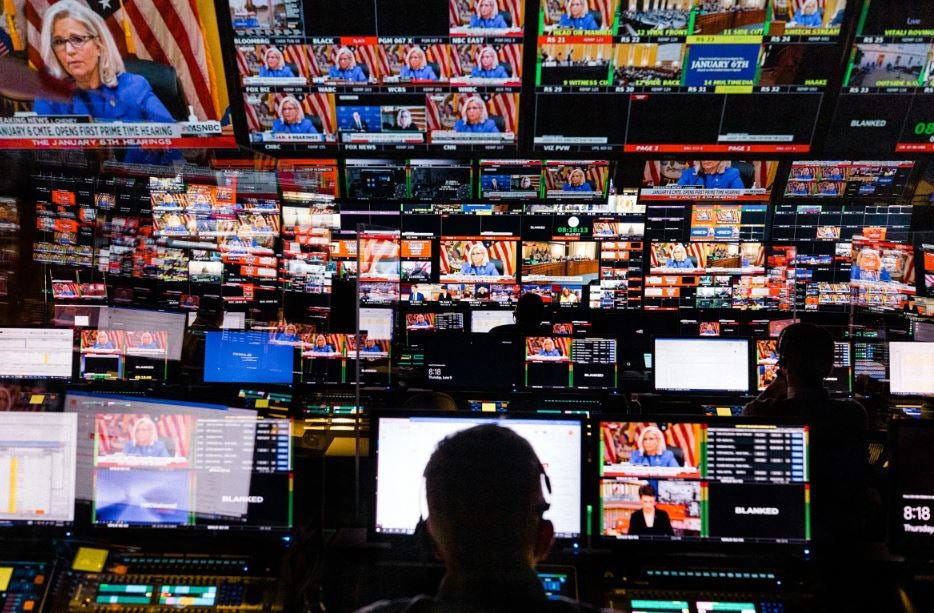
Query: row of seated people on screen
{"x": 415, "y": 67}
{"x": 630, "y": 74}
{"x": 292, "y": 119}
{"x": 669, "y": 19}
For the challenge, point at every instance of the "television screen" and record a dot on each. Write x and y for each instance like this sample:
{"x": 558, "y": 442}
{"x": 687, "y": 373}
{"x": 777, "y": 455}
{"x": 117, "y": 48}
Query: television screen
{"x": 850, "y": 179}
{"x": 141, "y": 81}
{"x": 36, "y": 353}
{"x": 882, "y": 273}
{"x": 911, "y": 527}
{"x": 702, "y": 365}
{"x": 147, "y": 463}
{"x": 570, "y": 363}
{"x": 910, "y": 368}
{"x": 309, "y": 78}
{"x": 118, "y": 318}
{"x": 886, "y": 88}
{"x": 440, "y": 180}
{"x": 464, "y": 361}
{"x": 405, "y": 444}
{"x": 246, "y": 357}
{"x": 38, "y": 477}
{"x": 576, "y": 180}
{"x": 753, "y": 75}
{"x": 707, "y": 180}
{"x": 717, "y": 481}
{"x": 486, "y": 320}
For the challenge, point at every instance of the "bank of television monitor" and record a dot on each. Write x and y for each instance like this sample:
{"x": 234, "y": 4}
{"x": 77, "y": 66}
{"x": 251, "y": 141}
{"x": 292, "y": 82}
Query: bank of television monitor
{"x": 752, "y": 75}
{"x": 712, "y": 481}
{"x": 331, "y": 359}
{"x": 36, "y": 353}
{"x": 702, "y": 365}
{"x": 911, "y": 528}
{"x": 37, "y": 468}
{"x": 886, "y": 93}
{"x": 910, "y": 368}
{"x": 404, "y": 444}
{"x": 380, "y": 76}
{"x": 123, "y": 355}
{"x": 850, "y": 179}
{"x": 174, "y": 99}
{"x": 248, "y": 357}
{"x": 147, "y": 463}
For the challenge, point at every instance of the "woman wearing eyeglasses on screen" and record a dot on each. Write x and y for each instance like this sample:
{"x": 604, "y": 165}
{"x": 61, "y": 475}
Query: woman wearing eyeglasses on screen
{"x": 77, "y": 45}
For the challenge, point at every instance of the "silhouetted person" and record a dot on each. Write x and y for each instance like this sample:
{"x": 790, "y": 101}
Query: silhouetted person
{"x": 430, "y": 401}
{"x": 530, "y": 311}
{"x": 485, "y": 506}
{"x": 838, "y": 432}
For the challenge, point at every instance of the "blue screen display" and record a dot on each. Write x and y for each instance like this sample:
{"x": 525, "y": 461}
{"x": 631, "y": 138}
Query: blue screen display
{"x": 246, "y": 357}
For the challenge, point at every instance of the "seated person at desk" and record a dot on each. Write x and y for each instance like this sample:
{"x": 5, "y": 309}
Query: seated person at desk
{"x": 712, "y": 174}
{"x": 102, "y": 341}
{"x": 488, "y": 65}
{"x": 649, "y": 520}
{"x": 567, "y": 296}
{"x": 289, "y": 335}
{"x": 652, "y": 450}
{"x": 868, "y": 267}
{"x": 146, "y": 341}
{"x": 808, "y": 16}
{"x": 486, "y": 499}
{"x": 416, "y": 295}
{"x": 292, "y": 118}
{"x": 321, "y": 345}
{"x": 144, "y": 440}
{"x": 478, "y": 262}
{"x": 370, "y": 346}
{"x": 475, "y": 118}
{"x": 346, "y": 68}
{"x": 416, "y": 66}
{"x": 274, "y": 65}
{"x": 839, "y": 431}
{"x": 679, "y": 258}
{"x": 577, "y": 16}
{"x": 827, "y": 188}
{"x": 77, "y": 45}
{"x": 419, "y": 321}
{"x": 487, "y": 16}
{"x": 549, "y": 350}
{"x": 358, "y": 123}
{"x": 576, "y": 181}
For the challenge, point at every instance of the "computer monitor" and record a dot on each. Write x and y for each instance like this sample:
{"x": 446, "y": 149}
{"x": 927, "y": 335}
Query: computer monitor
{"x": 702, "y": 364}
{"x": 147, "y": 463}
{"x": 35, "y": 353}
{"x": 467, "y": 360}
{"x": 714, "y": 480}
{"x": 484, "y": 321}
{"x": 37, "y": 468}
{"x": 911, "y": 368}
{"x": 405, "y": 443}
{"x": 911, "y": 442}
{"x": 173, "y": 323}
{"x": 246, "y": 357}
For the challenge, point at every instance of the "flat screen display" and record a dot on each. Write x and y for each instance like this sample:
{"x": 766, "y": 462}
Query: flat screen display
{"x": 247, "y": 357}
{"x": 148, "y": 463}
{"x": 722, "y": 481}
{"x": 404, "y": 445}
{"x": 141, "y": 79}
{"x": 711, "y": 365}
{"x": 36, "y": 353}
{"x": 911, "y": 368}
{"x": 37, "y": 468}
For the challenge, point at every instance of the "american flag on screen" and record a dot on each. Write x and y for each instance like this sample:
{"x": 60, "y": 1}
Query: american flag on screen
{"x": 507, "y": 107}
{"x": 166, "y": 31}
{"x": 453, "y": 256}
{"x": 112, "y": 432}
{"x": 684, "y": 436}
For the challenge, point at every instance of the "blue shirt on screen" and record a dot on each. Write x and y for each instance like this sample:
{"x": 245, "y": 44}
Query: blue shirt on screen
{"x": 487, "y": 270}
{"x": 131, "y": 100}
{"x": 728, "y": 179}
{"x": 351, "y": 74}
{"x": 425, "y": 73}
{"x": 685, "y": 263}
{"x": 303, "y": 127}
{"x": 487, "y": 126}
{"x": 554, "y": 353}
{"x": 279, "y": 73}
{"x": 495, "y": 73}
{"x": 156, "y": 450}
{"x": 814, "y": 20}
{"x": 496, "y": 22}
{"x": 583, "y": 187}
{"x": 665, "y": 458}
{"x": 587, "y": 22}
